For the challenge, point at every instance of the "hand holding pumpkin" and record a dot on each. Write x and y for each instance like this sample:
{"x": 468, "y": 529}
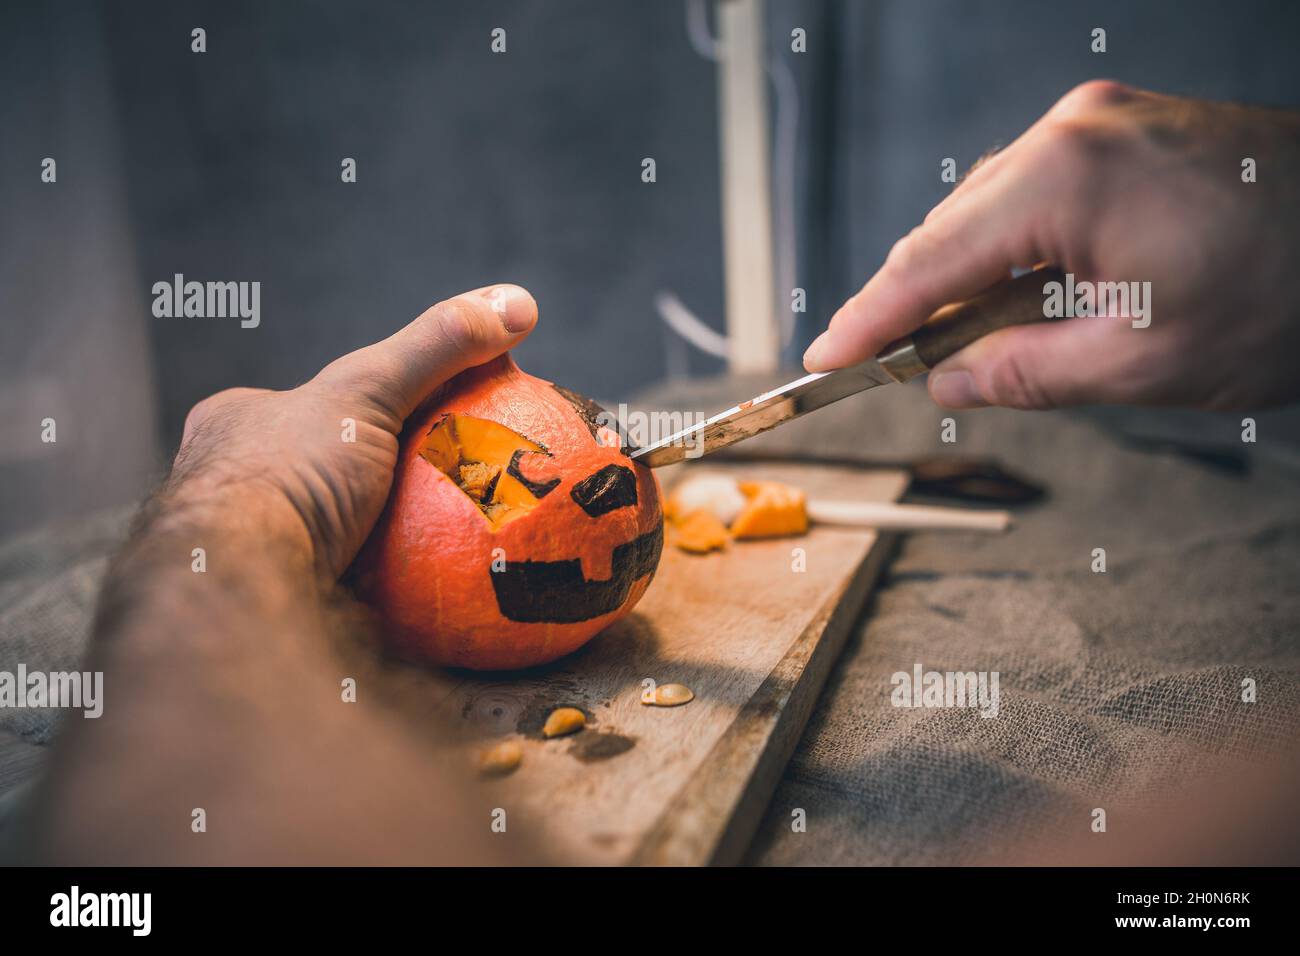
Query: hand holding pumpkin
{"x": 314, "y": 464}
{"x": 230, "y": 679}
{"x": 518, "y": 527}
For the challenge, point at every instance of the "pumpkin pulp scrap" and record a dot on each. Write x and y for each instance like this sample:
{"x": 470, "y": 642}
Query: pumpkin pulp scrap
{"x": 773, "y": 510}
{"x": 701, "y": 532}
{"x": 485, "y": 459}
{"x": 708, "y": 512}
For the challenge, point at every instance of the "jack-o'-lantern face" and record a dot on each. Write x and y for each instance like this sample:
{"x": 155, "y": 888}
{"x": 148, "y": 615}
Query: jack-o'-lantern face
{"x": 517, "y": 527}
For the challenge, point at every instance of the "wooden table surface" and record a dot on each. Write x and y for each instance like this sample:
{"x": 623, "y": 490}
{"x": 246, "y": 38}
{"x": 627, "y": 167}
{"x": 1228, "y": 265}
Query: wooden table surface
{"x": 752, "y": 635}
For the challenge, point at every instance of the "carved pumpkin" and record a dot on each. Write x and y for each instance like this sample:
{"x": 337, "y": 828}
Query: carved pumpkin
{"x": 517, "y": 528}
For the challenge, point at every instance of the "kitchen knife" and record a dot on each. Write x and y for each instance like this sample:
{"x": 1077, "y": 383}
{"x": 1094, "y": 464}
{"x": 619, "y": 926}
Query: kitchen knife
{"x": 1017, "y": 301}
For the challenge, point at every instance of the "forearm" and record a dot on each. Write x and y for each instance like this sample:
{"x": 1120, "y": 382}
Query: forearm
{"x": 224, "y": 667}
{"x": 223, "y": 692}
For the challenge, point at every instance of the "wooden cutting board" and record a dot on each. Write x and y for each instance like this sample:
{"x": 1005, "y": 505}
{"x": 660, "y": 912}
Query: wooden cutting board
{"x": 749, "y": 633}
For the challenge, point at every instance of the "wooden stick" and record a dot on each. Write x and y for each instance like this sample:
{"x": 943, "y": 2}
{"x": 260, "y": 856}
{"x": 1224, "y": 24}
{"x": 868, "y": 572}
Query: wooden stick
{"x": 754, "y": 342}
{"x": 894, "y": 517}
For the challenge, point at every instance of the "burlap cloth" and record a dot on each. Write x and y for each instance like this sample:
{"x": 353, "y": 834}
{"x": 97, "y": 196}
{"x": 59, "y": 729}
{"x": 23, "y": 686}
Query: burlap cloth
{"x": 1115, "y": 687}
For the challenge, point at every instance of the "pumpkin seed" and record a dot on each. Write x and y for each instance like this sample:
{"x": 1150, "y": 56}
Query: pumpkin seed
{"x": 672, "y": 695}
{"x": 564, "y": 720}
{"x": 502, "y": 759}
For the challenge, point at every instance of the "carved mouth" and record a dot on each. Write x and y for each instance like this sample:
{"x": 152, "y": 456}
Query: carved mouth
{"x": 557, "y": 592}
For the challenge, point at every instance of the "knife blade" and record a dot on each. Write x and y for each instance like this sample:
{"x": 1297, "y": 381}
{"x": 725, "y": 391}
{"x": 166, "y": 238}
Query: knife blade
{"x": 1017, "y": 301}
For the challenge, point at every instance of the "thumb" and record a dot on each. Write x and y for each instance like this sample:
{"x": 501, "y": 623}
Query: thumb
{"x": 1037, "y": 366}
{"x": 470, "y": 329}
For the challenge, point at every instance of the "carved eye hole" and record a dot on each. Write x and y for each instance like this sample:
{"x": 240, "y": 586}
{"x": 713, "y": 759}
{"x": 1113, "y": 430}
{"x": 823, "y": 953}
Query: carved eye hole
{"x": 609, "y": 489}
{"x": 542, "y": 485}
{"x": 501, "y": 471}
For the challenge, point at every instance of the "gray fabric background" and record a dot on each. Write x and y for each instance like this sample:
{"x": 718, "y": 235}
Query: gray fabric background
{"x": 1116, "y": 689}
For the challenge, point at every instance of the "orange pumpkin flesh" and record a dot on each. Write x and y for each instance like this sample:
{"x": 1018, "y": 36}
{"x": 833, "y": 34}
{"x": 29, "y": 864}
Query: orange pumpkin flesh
{"x": 479, "y": 456}
{"x": 773, "y": 510}
{"x": 701, "y": 532}
{"x": 516, "y": 528}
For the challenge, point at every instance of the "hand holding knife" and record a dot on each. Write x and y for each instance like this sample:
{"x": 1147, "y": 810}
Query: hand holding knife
{"x": 1017, "y": 301}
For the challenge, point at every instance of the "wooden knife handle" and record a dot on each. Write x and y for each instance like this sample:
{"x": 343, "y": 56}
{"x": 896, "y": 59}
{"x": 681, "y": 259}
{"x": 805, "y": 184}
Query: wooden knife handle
{"x": 888, "y": 516}
{"x": 1017, "y": 301}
